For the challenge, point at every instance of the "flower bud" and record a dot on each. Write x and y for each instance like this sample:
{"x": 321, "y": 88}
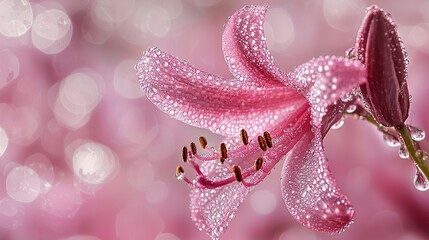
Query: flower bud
{"x": 379, "y": 47}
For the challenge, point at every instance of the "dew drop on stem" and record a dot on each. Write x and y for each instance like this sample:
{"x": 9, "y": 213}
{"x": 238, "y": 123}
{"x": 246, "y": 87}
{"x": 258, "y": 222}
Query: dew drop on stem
{"x": 417, "y": 134}
{"x": 403, "y": 152}
{"x": 391, "y": 140}
{"x": 420, "y": 181}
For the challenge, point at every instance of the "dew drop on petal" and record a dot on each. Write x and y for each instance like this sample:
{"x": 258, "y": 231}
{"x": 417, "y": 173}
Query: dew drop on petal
{"x": 338, "y": 124}
{"x": 23, "y": 184}
{"x": 391, "y": 141}
{"x": 351, "y": 53}
{"x": 417, "y": 134}
{"x": 351, "y": 108}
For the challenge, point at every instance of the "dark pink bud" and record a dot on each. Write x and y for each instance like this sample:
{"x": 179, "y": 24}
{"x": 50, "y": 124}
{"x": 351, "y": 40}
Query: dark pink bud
{"x": 379, "y": 47}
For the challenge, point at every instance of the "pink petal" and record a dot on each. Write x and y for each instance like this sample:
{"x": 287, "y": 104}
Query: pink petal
{"x": 309, "y": 189}
{"x": 213, "y": 209}
{"x": 207, "y": 101}
{"x": 245, "y": 48}
{"x": 324, "y": 80}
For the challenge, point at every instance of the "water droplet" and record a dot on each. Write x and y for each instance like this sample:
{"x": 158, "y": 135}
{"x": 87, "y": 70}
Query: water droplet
{"x": 347, "y": 97}
{"x": 391, "y": 140}
{"x": 179, "y": 175}
{"x": 351, "y": 53}
{"x": 403, "y": 152}
{"x": 351, "y": 109}
{"x": 338, "y": 124}
{"x": 417, "y": 134}
{"x": 420, "y": 181}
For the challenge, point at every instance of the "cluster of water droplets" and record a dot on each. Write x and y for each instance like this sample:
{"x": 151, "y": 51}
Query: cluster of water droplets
{"x": 393, "y": 139}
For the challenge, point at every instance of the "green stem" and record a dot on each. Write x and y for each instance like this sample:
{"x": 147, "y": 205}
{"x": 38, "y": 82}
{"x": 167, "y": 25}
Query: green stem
{"x": 413, "y": 150}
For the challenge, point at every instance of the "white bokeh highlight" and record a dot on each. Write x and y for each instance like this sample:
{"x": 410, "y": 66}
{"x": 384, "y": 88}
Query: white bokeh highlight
{"x": 23, "y": 184}
{"x": 93, "y": 163}
{"x": 279, "y": 29}
{"x": 16, "y": 17}
{"x": 52, "y": 31}
{"x": 4, "y": 141}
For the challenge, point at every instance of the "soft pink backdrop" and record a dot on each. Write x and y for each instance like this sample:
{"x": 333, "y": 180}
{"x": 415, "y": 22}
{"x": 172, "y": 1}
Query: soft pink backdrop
{"x": 87, "y": 156}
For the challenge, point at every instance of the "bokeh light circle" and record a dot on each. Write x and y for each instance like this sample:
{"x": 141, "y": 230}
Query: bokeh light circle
{"x": 23, "y": 184}
{"x": 16, "y": 17}
{"x": 4, "y": 141}
{"x": 93, "y": 163}
{"x": 52, "y": 31}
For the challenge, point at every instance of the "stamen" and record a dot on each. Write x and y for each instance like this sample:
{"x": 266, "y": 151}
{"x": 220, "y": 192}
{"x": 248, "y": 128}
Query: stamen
{"x": 193, "y": 148}
{"x": 237, "y": 173}
{"x": 179, "y": 171}
{"x": 223, "y": 152}
{"x": 268, "y": 139}
{"x": 244, "y": 137}
{"x": 258, "y": 163}
{"x": 262, "y": 143}
{"x": 185, "y": 154}
{"x": 222, "y": 160}
{"x": 203, "y": 142}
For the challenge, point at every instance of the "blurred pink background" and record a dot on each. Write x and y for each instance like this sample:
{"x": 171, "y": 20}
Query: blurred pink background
{"x": 85, "y": 156}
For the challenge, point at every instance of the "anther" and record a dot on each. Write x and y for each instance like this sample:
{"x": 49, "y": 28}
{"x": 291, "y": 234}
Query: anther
{"x": 262, "y": 143}
{"x": 258, "y": 163}
{"x": 185, "y": 154}
{"x": 244, "y": 137}
{"x": 193, "y": 148}
{"x": 222, "y": 160}
{"x": 179, "y": 171}
{"x": 203, "y": 141}
{"x": 223, "y": 152}
{"x": 268, "y": 139}
{"x": 237, "y": 173}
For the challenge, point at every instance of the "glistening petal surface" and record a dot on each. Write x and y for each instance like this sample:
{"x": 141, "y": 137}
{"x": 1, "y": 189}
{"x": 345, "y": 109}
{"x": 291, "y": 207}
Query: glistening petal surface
{"x": 308, "y": 187}
{"x": 207, "y": 101}
{"x": 245, "y": 48}
{"x": 213, "y": 209}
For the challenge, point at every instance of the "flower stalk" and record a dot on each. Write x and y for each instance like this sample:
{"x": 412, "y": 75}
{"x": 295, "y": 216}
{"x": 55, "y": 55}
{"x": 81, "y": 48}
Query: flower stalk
{"x": 413, "y": 148}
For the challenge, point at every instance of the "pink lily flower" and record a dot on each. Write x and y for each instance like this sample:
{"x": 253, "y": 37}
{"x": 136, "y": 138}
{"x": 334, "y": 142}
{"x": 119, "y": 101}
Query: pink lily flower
{"x": 266, "y": 115}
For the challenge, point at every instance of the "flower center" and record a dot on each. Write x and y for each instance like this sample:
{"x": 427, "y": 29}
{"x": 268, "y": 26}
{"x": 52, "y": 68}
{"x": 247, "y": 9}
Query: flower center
{"x": 229, "y": 159}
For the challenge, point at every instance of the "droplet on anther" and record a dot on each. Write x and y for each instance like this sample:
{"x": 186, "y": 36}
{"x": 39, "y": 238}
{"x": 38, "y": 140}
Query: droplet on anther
{"x": 244, "y": 137}
{"x": 268, "y": 139}
{"x": 185, "y": 154}
{"x": 258, "y": 163}
{"x": 203, "y": 142}
{"x": 262, "y": 143}
{"x": 237, "y": 173}
{"x": 223, "y": 152}
{"x": 180, "y": 172}
{"x": 193, "y": 148}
